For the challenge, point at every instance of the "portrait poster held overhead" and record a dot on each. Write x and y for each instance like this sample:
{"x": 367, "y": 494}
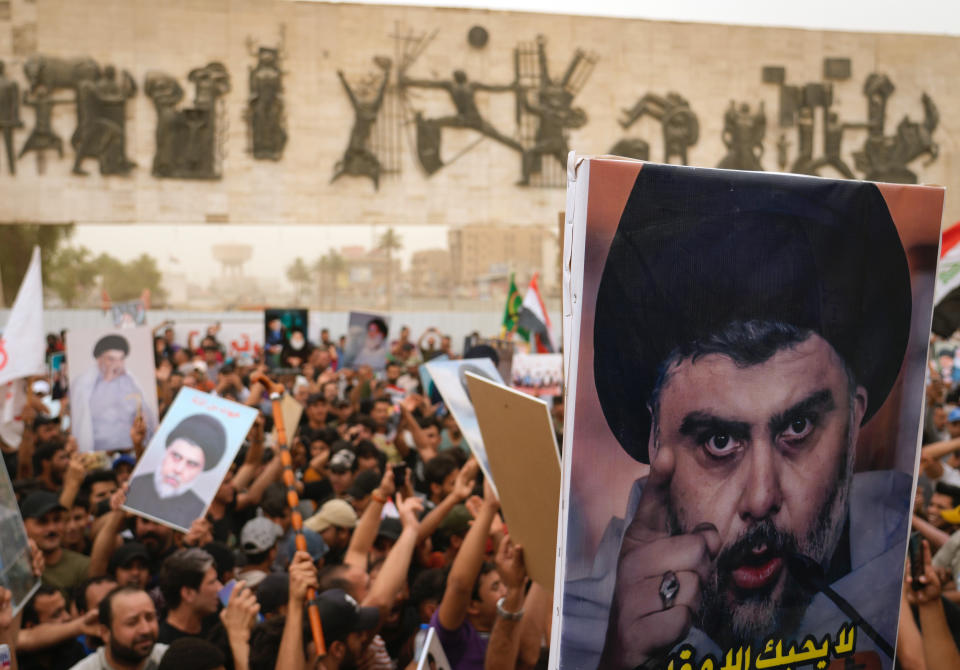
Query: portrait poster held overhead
{"x": 285, "y": 336}
{"x": 16, "y": 570}
{"x": 746, "y": 365}
{"x": 367, "y": 342}
{"x": 450, "y": 380}
{"x": 186, "y": 461}
{"x": 112, "y": 380}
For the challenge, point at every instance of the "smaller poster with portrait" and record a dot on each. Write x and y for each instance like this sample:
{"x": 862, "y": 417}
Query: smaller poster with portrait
{"x": 537, "y": 374}
{"x": 187, "y": 459}
{"x": 112, "y": 381}
{"x": 16, "y": 569}
{"x": 128, "y": 314}
{"x": 432, "y": 656}
{"x": 285, "y": 342}
{"x": 367, "y": 342}
{"x": 450, "y": 379}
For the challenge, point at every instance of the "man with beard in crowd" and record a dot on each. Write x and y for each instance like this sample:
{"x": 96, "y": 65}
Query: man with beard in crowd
{"x": 129, "y": 629}
{"x": 782, "y": 344}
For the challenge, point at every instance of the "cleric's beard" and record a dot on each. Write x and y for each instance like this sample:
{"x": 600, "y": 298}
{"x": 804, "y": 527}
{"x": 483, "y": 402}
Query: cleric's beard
{"x": 164, "y": 490}
{"x": 778, "y": 611}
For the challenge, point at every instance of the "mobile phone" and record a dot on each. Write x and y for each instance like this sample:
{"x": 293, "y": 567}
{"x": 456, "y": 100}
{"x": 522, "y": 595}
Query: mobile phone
{"x": 224, "y": 593}
{"x": 916, "y": 560}
{"x": 399, "y": 474}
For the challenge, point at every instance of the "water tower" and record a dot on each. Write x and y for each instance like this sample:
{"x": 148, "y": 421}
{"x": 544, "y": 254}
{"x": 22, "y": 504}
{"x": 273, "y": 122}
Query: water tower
{"x": 232, "y": 257}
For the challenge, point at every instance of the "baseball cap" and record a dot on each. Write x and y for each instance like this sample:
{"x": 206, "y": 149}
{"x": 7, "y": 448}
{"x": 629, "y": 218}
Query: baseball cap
{"x": 951, "y": 515}
{"x": 41, "y": 387}
{"x": 335, "y": 512}
{"x": 340, "y": 615}
{"x": 364, "y": 484}
{"x": 258, "y": 535}
{"x": 342, "y": 461}
{"x": 390, "y": 528}
{"x": 125, "y": 554}
{"x": 316, "y": 547}
{"x": 954, "y": 415}
{"x": 273, "y": 591}
{"x": 124, "y": 459}
{"x": 457, "y": 521}
{"x": 44, "y": 419}
{"x": 39, "y": 503}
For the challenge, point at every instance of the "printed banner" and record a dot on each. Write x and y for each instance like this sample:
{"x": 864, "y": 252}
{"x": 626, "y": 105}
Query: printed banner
{"x": 112, "y": 379}
{"x": 538, "y": 374}
{"x": 187, "y": 459}
{"x": 747, "y": 363}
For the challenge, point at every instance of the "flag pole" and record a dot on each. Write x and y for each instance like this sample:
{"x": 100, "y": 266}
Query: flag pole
{"x": 275, "y": 390}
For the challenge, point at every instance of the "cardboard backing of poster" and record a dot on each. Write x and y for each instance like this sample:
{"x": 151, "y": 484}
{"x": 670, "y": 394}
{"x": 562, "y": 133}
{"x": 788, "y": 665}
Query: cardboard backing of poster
{"x": 522, "y": 451}
{"x": 745, "y": 357}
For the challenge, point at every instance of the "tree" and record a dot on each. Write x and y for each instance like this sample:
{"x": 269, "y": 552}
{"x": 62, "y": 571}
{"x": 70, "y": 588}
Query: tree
{"x": 299, "y": 275}
{"x": 126, "y": 281}
{"x": 16, "y": 246}
{"x": 329, "y": 268}
{"x": 390, "y": 242}
{"x": 73, "y": 273}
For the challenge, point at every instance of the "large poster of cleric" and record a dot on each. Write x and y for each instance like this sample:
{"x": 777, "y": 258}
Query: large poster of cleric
{"x": 112, "y": 379}
{"x": 187, "y": 459}
{"x": 747, "y": 370}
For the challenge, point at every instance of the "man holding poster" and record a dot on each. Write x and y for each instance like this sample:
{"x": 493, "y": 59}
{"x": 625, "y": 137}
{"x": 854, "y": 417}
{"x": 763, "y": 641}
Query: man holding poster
{"x": 767, "y": 324}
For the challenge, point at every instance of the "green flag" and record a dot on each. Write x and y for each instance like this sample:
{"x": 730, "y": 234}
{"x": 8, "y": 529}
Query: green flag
{"x": 511, "y": 312}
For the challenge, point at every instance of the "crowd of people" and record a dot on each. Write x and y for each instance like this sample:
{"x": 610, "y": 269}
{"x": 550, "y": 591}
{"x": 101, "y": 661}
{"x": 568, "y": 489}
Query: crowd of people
{"x": 402, "y": 532}
{"x": 929, "y": 634}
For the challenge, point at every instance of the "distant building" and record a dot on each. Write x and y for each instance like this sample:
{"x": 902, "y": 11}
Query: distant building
{"x": 479, "y": 250}
{"x": 431, "y": 273}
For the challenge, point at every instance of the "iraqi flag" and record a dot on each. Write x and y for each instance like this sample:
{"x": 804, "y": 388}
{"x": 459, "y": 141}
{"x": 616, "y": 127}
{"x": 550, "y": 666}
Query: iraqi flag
{"x": 22, "y": 345}
{"x": 946, "y": 292}
{"x": 534, "y": 319}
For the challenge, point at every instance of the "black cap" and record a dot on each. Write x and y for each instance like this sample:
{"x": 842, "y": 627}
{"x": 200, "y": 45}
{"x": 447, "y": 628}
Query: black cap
{"x": 390, "y": 528}
{"x": 123, "y": 556}
{"x": 364, "y": 484}
{"x": 39, "y": 503}
{"x": 273, "y": 591}
{"x": 697, "y": 250}
{"x": 111, "y": 343}
{"x": 204, "y": 431}
{"x": 45, "y": 419}
{"x": 341, "y": 615}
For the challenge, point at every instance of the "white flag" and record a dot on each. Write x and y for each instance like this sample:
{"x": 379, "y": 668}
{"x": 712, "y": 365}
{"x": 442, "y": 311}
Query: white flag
{"x": 22, "y": 344}
{"x": 12, "y": 401}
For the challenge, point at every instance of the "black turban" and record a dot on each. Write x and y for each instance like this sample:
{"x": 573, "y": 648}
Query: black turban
{"x": 204, "y": 431}
{"x": 697, "y": 250}
{"x": 111, "y": 343}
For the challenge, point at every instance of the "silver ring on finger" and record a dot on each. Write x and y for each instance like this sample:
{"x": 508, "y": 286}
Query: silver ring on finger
{"x": 669, "y": 588}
